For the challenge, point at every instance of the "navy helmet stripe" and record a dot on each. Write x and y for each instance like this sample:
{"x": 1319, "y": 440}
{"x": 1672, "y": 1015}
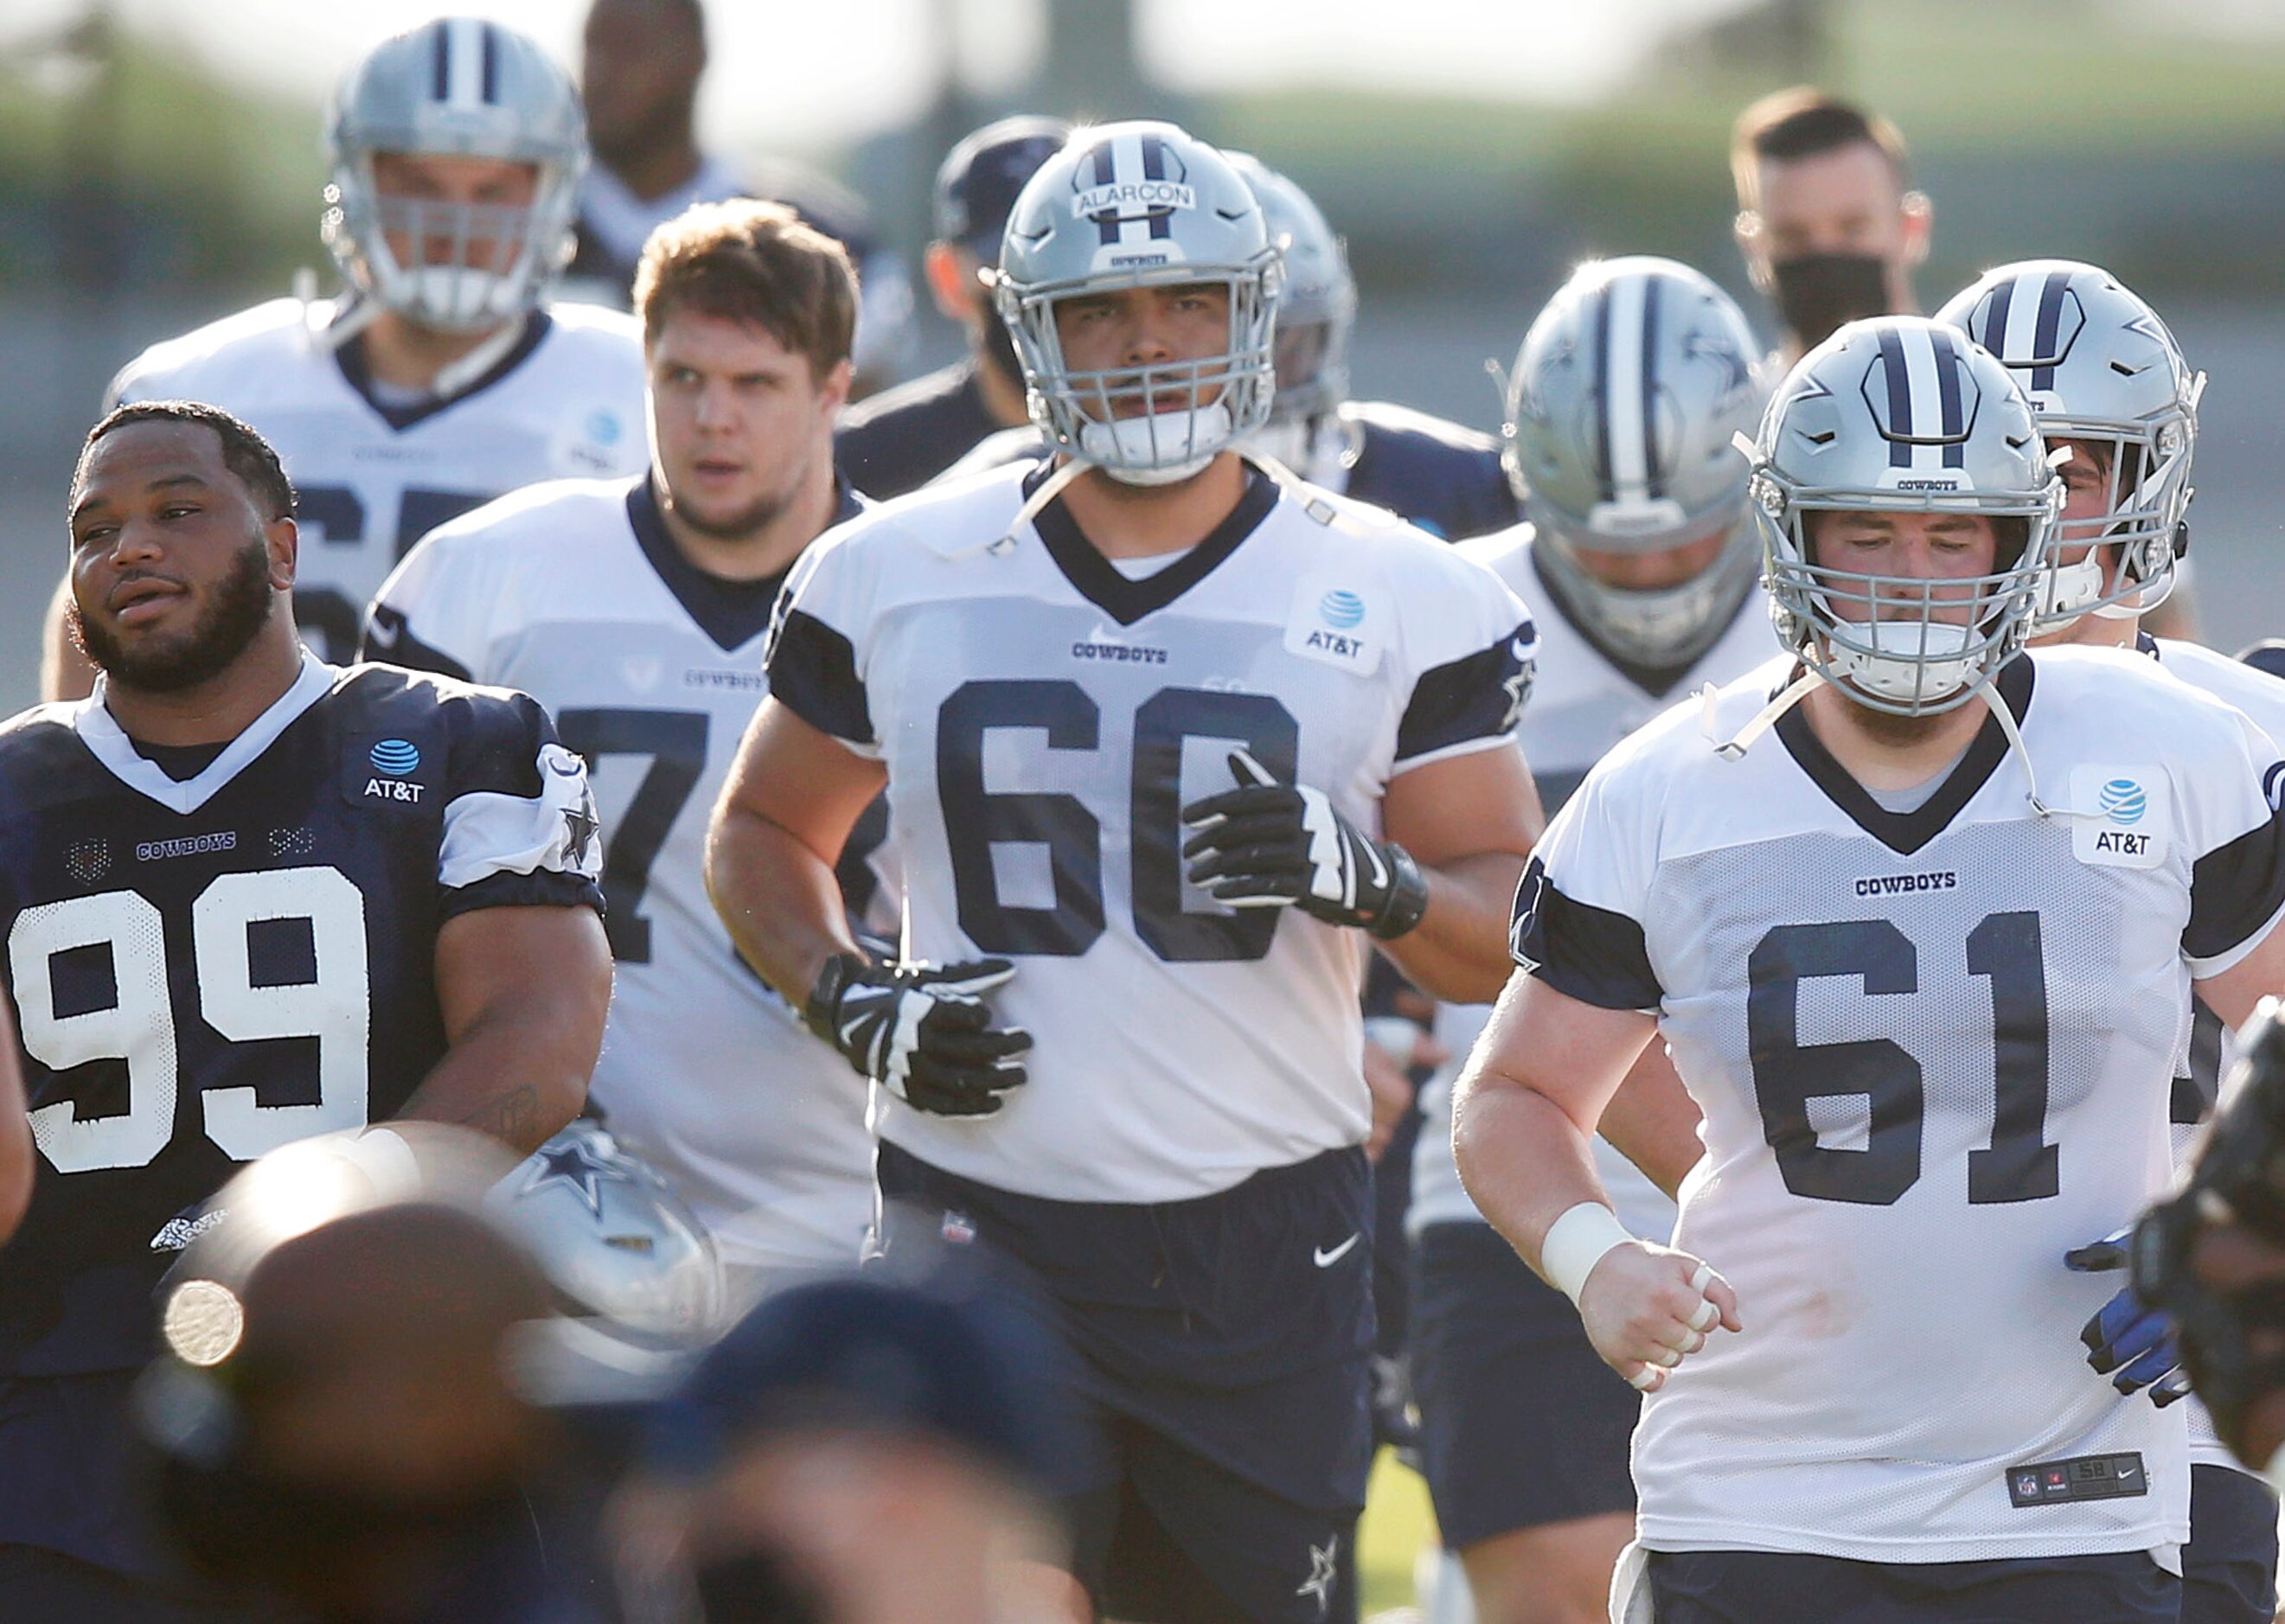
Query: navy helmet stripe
{"x": 1105, "y": 165}
{"x": 491, "y": 64}
{"x": 440, "y": 59}
{"x": 1995, "y": 326}
{"x": 1601, "y": 325}
{"x": 2051, "y": 321}
{"x": 1900, "y": 399}
{"x": 1651, "y": 467}
{"x": 1154, "y": 157}
{"x": 1948, "y": 361}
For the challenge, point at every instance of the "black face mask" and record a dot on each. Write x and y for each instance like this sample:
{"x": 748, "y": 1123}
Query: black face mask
{"x": 1818, "y": 293}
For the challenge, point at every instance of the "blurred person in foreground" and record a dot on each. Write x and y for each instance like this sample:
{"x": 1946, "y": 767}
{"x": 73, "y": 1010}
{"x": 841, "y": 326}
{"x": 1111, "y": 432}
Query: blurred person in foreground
{"x": 639, "y": 65}
{"x": 16, "y": 1151}
{"x": 2212, "y": 1254}
{"x": 333, "y": 1427}
{"x": 904, "y": 437}
{"x": 443, "y": 375}
{"x": 636, "y": 610}
{"x": 857, "y": 1451}
{"x": 248, "y": 898}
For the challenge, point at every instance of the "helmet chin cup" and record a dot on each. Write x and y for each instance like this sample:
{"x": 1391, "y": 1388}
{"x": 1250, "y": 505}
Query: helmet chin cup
{"x": 1150, "y": 451}
{"x": 1905, "y": 662}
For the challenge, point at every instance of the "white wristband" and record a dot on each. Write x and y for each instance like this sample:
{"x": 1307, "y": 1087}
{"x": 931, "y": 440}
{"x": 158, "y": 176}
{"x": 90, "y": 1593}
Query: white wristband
{"x": 1575, "y": 1241}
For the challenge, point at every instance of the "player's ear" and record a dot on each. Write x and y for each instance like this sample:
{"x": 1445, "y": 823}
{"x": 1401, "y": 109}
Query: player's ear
{"x": 281, "y": 537}
{"x": 1919, "y": 223}
{"x": 951, "y": 272}
{"x": 833, "y": 392}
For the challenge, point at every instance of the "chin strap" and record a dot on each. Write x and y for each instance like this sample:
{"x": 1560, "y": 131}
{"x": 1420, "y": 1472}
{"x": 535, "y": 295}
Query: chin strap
{"x": 449, "y": 381}
{"x": 1735, "y": 748}
{"x": 1050, "y": 488}
{"x": 1747, "y": 737}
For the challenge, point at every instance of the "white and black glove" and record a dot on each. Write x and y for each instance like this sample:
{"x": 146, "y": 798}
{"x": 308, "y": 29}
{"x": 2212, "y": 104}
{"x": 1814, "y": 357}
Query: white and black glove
{"x": 922, "y": 1029}
{"x": 1266, "y": 844}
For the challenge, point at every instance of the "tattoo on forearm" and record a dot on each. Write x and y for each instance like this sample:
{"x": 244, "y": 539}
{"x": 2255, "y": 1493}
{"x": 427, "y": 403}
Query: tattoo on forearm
{"x": 512, "y": 1117}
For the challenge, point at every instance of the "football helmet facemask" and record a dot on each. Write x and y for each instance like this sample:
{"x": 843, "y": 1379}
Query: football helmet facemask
{"x": 456, "y": 87}
{"x": 2098, "y": 366}
{"x": 1901, "y": 414}
{"x": 1626, "y": 399}
{"x": 1141, "y": 205}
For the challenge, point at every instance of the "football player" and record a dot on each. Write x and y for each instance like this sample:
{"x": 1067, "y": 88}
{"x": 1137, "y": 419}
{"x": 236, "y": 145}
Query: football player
{"x": 2109, "y": 384}
{"x": 16, "y": 1155}
{"x": 635, "y": 610}
{"x": 641, "y": 63}
{"x": 1169, "y": 743}
{"x": 443, "y": 377}
{"x": 904, "y": 437}
{"x": 1923, "y": 960}
{"x": 1437, "y": 475}
{"x": 248, "y": 898}
{"x": 1640, "y": 566}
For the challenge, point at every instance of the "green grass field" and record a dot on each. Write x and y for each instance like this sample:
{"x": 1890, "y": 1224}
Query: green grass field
{"x": 1398, "y": 1526}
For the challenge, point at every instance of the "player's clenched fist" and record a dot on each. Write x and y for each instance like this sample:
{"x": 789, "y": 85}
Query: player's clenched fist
{"x": 922, "y": 1029}
{"x": 1646, "y": 1308}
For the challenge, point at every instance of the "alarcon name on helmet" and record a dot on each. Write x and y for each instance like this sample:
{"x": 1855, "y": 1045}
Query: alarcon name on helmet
{"x": 1316, "y": 312}
{"x": 1902, "y": 414}
{"x": 1141, "y": 205}
{"x": 1628, "y": 395}
{"x": 2100, "y": 368}
{"x": 456, "y": 87}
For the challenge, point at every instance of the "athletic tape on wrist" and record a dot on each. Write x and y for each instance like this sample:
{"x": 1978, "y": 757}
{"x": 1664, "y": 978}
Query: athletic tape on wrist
{"x": 1575, "y": 1241}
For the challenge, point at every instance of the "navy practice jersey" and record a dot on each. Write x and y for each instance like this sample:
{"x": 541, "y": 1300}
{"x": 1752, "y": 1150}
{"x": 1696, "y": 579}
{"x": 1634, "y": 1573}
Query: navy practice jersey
{"x": 902, "y": 438}
{"x": 206, "y": 969}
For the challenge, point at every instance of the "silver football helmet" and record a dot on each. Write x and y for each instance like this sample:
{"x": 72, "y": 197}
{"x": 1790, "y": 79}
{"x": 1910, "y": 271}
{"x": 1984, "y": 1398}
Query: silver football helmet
{"x": 1316, "y": 310}
{"x": 2098, "y": 365}
{"x": 1140, "y": 205}
{"x": 454, "y": 87}
{"x": 1628, "y": 395}
{"x": 1901, "y": 414}
{"x": 635, "y": 1272}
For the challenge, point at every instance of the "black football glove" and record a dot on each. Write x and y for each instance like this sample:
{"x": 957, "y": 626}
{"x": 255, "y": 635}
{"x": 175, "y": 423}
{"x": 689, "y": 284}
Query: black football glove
{"x": 923, "y": 1031}
{"x": 1266, "y": 844}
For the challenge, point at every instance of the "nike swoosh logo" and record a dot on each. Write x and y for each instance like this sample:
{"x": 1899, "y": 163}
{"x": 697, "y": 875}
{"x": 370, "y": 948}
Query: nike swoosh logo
{"x": 2126, "y": 1471}
{"x": 1379, "y": 877}
{"x": 1326, "y": 1259}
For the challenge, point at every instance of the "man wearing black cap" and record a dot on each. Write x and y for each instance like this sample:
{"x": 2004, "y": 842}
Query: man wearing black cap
{"x": 901, "y": 439}
{"x": 838, "y": 1412}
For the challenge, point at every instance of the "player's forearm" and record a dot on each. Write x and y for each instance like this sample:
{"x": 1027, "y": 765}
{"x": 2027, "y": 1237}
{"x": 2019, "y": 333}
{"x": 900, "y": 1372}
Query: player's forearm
{"x": 778, "y": 900}
{"x": 1524, "y": 1161}
{"x": 517, "y": 1073}
{"x": 1653, "y": 1121}
{"x": 1458, "y": 951}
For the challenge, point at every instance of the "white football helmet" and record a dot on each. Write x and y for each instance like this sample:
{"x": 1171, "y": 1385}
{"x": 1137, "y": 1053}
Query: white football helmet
{"x": 1901, "y": 414}
{"x": 2098, "y": 365}
{"x": 455, "y": 87}
{"x": 1140, "y": 205}
{"x": 1628, "y": 395}
{"x": 636, "y": 1276}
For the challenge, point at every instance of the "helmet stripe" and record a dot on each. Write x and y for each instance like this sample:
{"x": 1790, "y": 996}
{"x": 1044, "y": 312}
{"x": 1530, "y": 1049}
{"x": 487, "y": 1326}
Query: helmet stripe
{"x": 2051, "y": 320}
{"x": 1106, "y": 165}
{"x": 1995, "y": 324}
{"x": 1599, "y": 322}
{"x": 1947, "y": 388}
{"x": 1652, "y": 474}
{"x": 466, "y": 56}
{"x": 1900, "y": 399}
{"x": 1630, "y": 320}
{"x": 1154, "y": 157}
{"x": 491, "y": 65}
{"x": 440, "y": 60}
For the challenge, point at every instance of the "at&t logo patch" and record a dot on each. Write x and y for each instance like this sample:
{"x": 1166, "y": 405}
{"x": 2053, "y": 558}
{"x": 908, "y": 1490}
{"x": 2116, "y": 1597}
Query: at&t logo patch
{"x": 2118, "y": 816}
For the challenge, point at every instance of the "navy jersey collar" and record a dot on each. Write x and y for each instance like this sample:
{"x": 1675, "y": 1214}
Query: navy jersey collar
{"x": 732, "y": 613}
{"x": 108, "y": 742}
{"x": 358, "y": 375}
{"x": 1906, "y": 832}
{"x": 1099, "y": 581}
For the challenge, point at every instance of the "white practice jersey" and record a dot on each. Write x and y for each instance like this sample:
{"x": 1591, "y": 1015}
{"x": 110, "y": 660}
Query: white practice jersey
{"x": 1582, "y": 703}
{"x": 1934, "y": 1052}
{"x": 371, "y": 476}
{"x": 2262, "y": 698}
{"x": 1044, "y": 718}
{"x": 574, "y": 592}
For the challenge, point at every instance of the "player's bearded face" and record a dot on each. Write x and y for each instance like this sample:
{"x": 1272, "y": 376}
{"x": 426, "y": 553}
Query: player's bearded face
{"x": 228, "y": 614}
{"x": 739, "y": 422}
{"x": 1922, "y": 551}
{"x": 1140, "y": 344}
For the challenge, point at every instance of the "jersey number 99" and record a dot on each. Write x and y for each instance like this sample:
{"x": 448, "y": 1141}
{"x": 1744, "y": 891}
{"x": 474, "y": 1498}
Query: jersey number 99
{"x": 139, "y": 1025}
